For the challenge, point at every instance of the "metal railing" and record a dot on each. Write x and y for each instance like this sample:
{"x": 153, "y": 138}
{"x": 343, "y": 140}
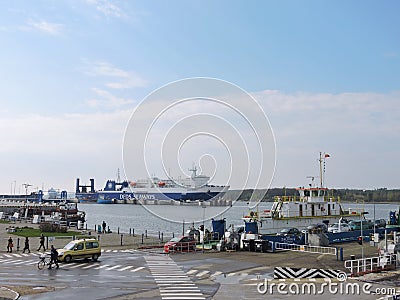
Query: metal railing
{"x": 184, "y": 247}
{"x": 371, "y": 264}
{"x": 306, "y": 248}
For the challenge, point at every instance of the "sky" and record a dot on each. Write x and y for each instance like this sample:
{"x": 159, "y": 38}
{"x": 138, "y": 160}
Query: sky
{"x": 326, "y": 74}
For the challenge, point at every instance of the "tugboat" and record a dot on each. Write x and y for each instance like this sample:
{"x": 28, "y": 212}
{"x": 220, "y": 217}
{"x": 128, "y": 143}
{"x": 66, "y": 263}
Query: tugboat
{"x": 314, "y": 204}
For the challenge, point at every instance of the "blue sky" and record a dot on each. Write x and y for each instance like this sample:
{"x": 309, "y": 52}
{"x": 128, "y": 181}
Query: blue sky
{"x": 326, "y": 73}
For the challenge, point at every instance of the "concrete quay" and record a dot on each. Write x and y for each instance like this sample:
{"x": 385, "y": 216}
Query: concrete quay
{"x": 229, "y": 263}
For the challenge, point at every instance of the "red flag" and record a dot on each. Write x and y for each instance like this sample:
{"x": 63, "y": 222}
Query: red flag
{"x": 326, "y": 155}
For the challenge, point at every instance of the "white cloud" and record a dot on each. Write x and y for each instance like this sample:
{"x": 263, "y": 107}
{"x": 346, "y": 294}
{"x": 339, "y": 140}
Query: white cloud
{"x": 108, "y": 100}
{"x": 107, "y": 8}
{"x": 45, "y": 27}
{"x": 361, "y": 131}
{"x": 121, "y": 79}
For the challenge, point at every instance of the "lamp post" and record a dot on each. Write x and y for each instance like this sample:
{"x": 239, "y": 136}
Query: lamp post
{"x": 204, "y": 230}
{"x": 26, "y": 186}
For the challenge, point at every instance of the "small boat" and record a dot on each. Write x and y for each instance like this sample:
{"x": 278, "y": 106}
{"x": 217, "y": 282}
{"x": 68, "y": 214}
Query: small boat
{"x": 314, "y": 204}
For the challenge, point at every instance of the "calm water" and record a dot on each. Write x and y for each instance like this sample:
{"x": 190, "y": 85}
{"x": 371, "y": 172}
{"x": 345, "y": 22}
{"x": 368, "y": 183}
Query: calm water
{"x": 127, "y": 216}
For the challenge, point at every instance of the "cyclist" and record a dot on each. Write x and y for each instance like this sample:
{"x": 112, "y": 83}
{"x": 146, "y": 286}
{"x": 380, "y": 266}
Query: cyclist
{"x": 53, "y": 257}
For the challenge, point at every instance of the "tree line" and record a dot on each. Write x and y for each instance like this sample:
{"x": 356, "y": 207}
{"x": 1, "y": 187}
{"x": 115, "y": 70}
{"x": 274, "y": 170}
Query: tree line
{"x": 348, "y": 195}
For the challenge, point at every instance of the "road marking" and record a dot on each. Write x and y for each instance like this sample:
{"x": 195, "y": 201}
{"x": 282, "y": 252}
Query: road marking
{"x": 101, "y": 267}
{"x": 216, "y": 274}
{"x": 126, "y": 268}
{"x": 231, "y": 274}
{"x": 8, "y": 255}
{"x": 181, "y": 294}
{"x": 191, "y": 272}
{"x": 114, "y": 267}
{"x": 20, "y": 263}
{"x": 179, "y": 290}
{"x": 77, "y": 266}
{"x": 173, "y": 283}
{"x": 25, "y": 254}
{"x": 11, "y": 261}
{"x": 202, "y": 273}
{"x": 137, "y": 269}
{"x": 30, "y": 261}
{"x": 17, "y": 255}
{"x": 90, "y": 266}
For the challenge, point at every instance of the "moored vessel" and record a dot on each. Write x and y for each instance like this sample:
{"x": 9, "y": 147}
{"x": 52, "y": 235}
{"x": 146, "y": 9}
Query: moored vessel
{"x": 314, "y": 204}
{"x": 158, "y": 191}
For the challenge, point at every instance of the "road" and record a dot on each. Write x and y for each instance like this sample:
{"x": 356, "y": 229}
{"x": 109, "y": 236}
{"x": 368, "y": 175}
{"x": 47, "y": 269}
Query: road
{"x": 133, "y": 274}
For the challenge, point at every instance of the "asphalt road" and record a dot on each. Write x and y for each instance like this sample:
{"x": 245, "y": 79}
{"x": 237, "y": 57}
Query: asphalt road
{"x": 133, "y": 274}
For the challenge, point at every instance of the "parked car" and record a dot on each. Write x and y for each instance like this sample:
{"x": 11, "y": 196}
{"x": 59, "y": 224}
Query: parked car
{"x": 289, "y": 231}
{"x": 80, "y": 249}
{"x": 356, "y": 225}
{"x": 180, "y": 244}
{"x": 380, "y": 223}
{"x": 317, "y": 228}
{"x": 343, "y": 227}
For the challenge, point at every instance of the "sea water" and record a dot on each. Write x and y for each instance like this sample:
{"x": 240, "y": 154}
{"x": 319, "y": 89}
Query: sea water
{"x": 174, "y": 218}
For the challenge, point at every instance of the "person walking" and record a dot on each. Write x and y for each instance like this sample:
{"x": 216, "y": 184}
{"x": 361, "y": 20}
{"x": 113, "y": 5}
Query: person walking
{"x": 42, "y": 243}
{"x": 26, "y": 247}
{"x": 104, "y": 226}
{"x": 53, "y": 257}
{"x": 10, "y": 245}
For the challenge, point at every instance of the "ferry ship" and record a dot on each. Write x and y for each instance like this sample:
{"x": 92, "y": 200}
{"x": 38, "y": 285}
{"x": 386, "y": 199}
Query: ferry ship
{"x": 86, "y": 193}
{"x": 155, "y": 190}
{"x": 313, "y": 205}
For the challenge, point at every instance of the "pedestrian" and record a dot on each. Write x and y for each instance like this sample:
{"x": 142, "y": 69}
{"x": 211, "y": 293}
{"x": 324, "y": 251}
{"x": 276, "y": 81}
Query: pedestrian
{"x": 53, "y": 257}
{"x": 104, "y": 226}
{"x": 42, "y": 243}
{"x": 26, "y": 247}
{"x": 10, "y": 245}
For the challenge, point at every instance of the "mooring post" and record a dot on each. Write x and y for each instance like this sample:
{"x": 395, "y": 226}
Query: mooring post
{"x": 121, "y": 238}
{"x": 130, "y": 231}
{"x": 162, "y": 236}
{"x": 146, "y": 233}
{"x": 159, "y": 235}
{"x": 341, "y": 253}
{"x": 118, "y": 230}
{"x": 142, "y": 238}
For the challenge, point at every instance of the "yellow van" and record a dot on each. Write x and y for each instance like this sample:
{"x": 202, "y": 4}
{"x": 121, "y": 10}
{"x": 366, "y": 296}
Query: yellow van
{"x": 78, "y": 249}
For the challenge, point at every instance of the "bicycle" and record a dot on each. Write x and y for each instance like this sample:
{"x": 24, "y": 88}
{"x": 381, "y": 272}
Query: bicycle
{"x": 45, "y": 261}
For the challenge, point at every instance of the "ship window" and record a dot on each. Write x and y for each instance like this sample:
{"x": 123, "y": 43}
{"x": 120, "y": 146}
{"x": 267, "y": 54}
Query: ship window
{"x": 321, "y": 193}
{"x": 307, "y": 193}
{"x": 315, "y": 193}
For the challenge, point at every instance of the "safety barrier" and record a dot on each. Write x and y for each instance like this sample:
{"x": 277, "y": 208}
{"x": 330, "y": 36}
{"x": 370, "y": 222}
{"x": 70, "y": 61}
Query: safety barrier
{"x": 182, "y": 247}
{"x": 363, "y": 266}
{"x": 306, "y": 248}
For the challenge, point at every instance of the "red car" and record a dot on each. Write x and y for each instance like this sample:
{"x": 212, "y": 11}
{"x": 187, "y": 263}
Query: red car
{"x": 182, "y": 244}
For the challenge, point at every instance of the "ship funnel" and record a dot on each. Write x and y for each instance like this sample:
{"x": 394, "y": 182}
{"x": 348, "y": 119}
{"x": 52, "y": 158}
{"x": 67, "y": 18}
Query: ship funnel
{"x": 91, "y": 185}
{"x": 77, "y": 190}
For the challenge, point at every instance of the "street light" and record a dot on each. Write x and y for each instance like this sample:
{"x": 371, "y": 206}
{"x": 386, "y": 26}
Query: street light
{"x": 204, "y": 230}
{"x": 26, "y": 186}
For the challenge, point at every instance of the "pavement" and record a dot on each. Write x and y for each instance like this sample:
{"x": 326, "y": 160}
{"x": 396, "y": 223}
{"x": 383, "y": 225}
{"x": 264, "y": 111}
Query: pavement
{"x": 108, "y": 241}
{"x": 230, "y": 266}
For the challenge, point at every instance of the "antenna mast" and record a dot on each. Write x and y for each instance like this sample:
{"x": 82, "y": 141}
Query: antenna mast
{"x": 320, "y": 169}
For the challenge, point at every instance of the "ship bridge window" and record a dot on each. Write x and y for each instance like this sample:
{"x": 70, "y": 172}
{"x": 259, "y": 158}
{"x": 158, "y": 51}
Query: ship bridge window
{"x": 322, "y": 193}
{"x": 307, "y": 193}
{"x": 315, "y": 193}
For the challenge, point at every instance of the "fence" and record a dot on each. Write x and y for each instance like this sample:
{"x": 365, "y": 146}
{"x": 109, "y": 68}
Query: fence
{"x": 363, "y": 266}
{"x": 306, "y": 248}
